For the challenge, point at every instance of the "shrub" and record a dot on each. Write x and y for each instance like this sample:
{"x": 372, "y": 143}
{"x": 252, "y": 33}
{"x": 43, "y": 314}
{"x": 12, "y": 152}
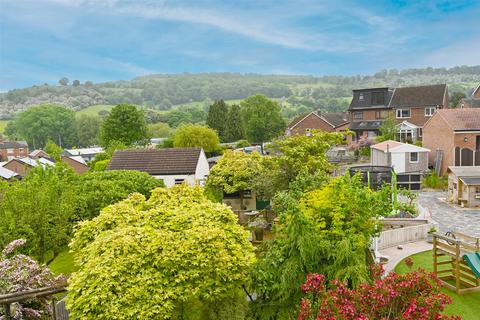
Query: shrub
{"x": 411, "y": 296}
{"x": 433, "y": 181}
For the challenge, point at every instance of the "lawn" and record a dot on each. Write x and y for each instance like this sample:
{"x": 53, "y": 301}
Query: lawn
{"x": 467, "y": 305}
{"x": 63, "y": 263}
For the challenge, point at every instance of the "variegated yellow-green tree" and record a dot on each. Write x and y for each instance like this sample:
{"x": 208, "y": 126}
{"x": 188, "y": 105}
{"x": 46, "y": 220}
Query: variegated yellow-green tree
{"x": 235, "y": 172}
{"x": 174, "y": 254}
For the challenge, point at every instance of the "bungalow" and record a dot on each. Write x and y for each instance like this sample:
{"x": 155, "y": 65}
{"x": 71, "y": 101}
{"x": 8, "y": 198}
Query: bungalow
{"x": 38, "y": 153}
{"x": 316, "y": 120}
{"x": 22, "y": 166}
{"x": 173, "y": 166}
{"x": 86, "y": 153}
{"x": 13, "y": 149}
{"x": 464, "y": 186}
{"x": 454, "y": 134}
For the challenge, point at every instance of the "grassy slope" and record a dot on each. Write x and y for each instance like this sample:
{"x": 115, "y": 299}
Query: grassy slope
{"x": 3, "y": 124}
{"x": 93, "y": 110}
{"x": 467, "y": 306}
{"x": 63, "y": 263}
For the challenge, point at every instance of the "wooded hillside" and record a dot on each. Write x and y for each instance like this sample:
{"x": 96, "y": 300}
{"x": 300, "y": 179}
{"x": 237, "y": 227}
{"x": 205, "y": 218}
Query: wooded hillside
{"x": 298, "y": 93}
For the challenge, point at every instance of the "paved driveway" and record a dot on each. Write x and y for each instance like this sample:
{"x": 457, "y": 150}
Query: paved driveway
{"x": 450, "y": 218}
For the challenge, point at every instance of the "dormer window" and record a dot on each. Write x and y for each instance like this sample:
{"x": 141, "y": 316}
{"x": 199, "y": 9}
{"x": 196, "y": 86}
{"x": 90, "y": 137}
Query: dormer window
{"x": 361, "y": 97}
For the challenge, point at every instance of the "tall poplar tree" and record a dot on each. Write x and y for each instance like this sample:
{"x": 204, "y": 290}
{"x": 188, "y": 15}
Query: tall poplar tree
{"x": 217, "y": 118}
{"x": 235, "y": 129}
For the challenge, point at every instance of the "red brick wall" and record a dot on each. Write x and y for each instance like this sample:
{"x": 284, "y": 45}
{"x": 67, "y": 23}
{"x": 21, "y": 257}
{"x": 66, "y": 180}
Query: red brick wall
{"x": 75, "y": 165}
{"x": 311, "y": 122}
{"x": 417, "y": 116}
{"x": 459, "y": 140}
{"x": 438, "y": 135}
{"x": 15, "y": 153}
{"x": 18, "y": 167}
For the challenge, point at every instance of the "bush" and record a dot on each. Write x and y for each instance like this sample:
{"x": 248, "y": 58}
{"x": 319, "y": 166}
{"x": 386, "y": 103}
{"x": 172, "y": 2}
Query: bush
{"x": 101, "y": 165}
{"x": 242, "y": 144}
{"x": 433, "y": 181}
{"x": 173, "y": 255}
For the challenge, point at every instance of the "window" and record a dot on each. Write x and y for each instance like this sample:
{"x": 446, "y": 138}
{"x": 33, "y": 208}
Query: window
{"x": 361, "y": 97}
{"x": 430, "y": 111}
{"x": 9, "y": 150}
{"x": 21, "y": 149}
{"x": 358, "y": 115}
{"x": 420, "y": 132}
{"x": 179, "y": 181}
{"x": 308, "y": 132}
{"x": 403, "y": 113}
{"x": 414, "y": 157}
{"x": 477, "y": 142}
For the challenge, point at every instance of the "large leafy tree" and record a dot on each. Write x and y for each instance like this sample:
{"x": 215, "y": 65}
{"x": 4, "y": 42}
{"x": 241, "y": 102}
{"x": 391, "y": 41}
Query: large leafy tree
{"x": 455, "y": 98}
{"x": 234, "y": 127}
{"x": 388, "y": 129}
{"x": 45, "y": 122}
{"x": 195, "y": 135}
{"x": 160, "y": 258}
{"x": 217, "y": 118}
{"x": 88, "y": 129}
{"x": 263, "y": 118}
{"x": 98, "y": 189}
{"x": 40, "y": 209}
{"x": 159, "y": 130}
{"x": 125, "y": 124}
{"x": 234, "y": 172}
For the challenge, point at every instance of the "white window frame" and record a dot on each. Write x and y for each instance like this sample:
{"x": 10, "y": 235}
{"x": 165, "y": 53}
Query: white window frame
{"x": 418, "y": 157}
{"x": 430, "y": 112}
{"x": 361, "y": 97}
{"x": 358, "y": 112}
{"x": 399, "y": 114}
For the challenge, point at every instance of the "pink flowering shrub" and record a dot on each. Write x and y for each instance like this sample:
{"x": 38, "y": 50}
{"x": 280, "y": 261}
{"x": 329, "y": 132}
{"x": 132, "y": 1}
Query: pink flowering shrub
{"x": 18, "y": 273}
{"x": 412, "y": 296}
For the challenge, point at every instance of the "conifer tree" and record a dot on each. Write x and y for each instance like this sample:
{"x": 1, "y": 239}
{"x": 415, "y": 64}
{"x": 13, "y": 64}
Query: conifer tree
{"x": 235, "y": 129}
{"x": 217, "y": 117}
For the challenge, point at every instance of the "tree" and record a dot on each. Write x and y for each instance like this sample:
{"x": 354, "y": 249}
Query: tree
{"x": 324, "y": 230}
{"x": 75, "y": 83}
{"x": 97, "y": 190}
{"x": 263, "y": 119}
{"x": 217, "y": 118}
{"x": 88, "y": 129}
{"x": 388, "y": 129}
{"x": 126, "y": 124}
{"x": 456, "y": 97}
{"x": 64, "y": 81}
{"x": 162, "y": 258}
{"x": 234, "y": 172}
{"x": 40, "y": 209}
{"x": 194, "y": 135}
{"x": 19, "y": 272}
{"x": 53, "y": 150}
{"x": 411, "y": 296}
{"x": 234, "y": 127}
{"x": 159, "y": 130}
{"x": 46, "y": 122}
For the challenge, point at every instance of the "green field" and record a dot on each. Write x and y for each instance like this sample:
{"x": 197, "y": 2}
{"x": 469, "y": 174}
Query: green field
{"x": 467, "y": 305}
{"x": 93, "y": 110}
{"x": 3, "y": 125}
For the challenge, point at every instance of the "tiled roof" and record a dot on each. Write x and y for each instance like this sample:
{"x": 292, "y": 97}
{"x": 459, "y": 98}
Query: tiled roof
{"x": 157, "y": 161}
{"x": 473, "y": 103}
{"x": 297, "y": 119}
{"x": 431, "y": 95}
{"x": 336, "y": 118}
{"x": 13, "y": 144}
{"x": 461, "y": 119}
{"x": 366, "y": 125}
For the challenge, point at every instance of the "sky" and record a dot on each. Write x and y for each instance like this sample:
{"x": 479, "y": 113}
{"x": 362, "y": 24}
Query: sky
{"x": 42, "y": 41}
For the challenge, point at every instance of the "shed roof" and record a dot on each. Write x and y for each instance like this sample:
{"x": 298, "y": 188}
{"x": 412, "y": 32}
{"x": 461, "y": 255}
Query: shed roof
{"x": 471, "y": 181}
{"x": 7, "y": 174}
{"x": 157, "y": 161}
{"x": 464, "y": 171}
{"x": 397, "y": 147}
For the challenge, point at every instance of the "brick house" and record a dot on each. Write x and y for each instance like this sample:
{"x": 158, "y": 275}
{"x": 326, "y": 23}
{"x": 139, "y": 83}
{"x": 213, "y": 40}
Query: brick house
{"x": 472, "y": 102}
{"x": 22, "y": 166}
{"x": 453, "y": 135}
{"x": 315, "y": 120}
{"x": 77, "y": 163}
{"x": 411, "y": 107}
{"x": 13, "y": 149}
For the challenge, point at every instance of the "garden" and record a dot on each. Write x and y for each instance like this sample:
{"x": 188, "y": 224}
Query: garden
{"x": 138, "y": 250}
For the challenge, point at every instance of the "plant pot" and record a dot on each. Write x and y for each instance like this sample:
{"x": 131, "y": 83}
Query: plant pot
{"x": 429, "y": 237}
{"x": 259, "y": 234}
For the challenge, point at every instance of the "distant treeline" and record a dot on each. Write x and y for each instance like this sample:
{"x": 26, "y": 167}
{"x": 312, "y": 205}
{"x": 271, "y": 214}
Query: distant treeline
{"x": 297, "y": 93}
